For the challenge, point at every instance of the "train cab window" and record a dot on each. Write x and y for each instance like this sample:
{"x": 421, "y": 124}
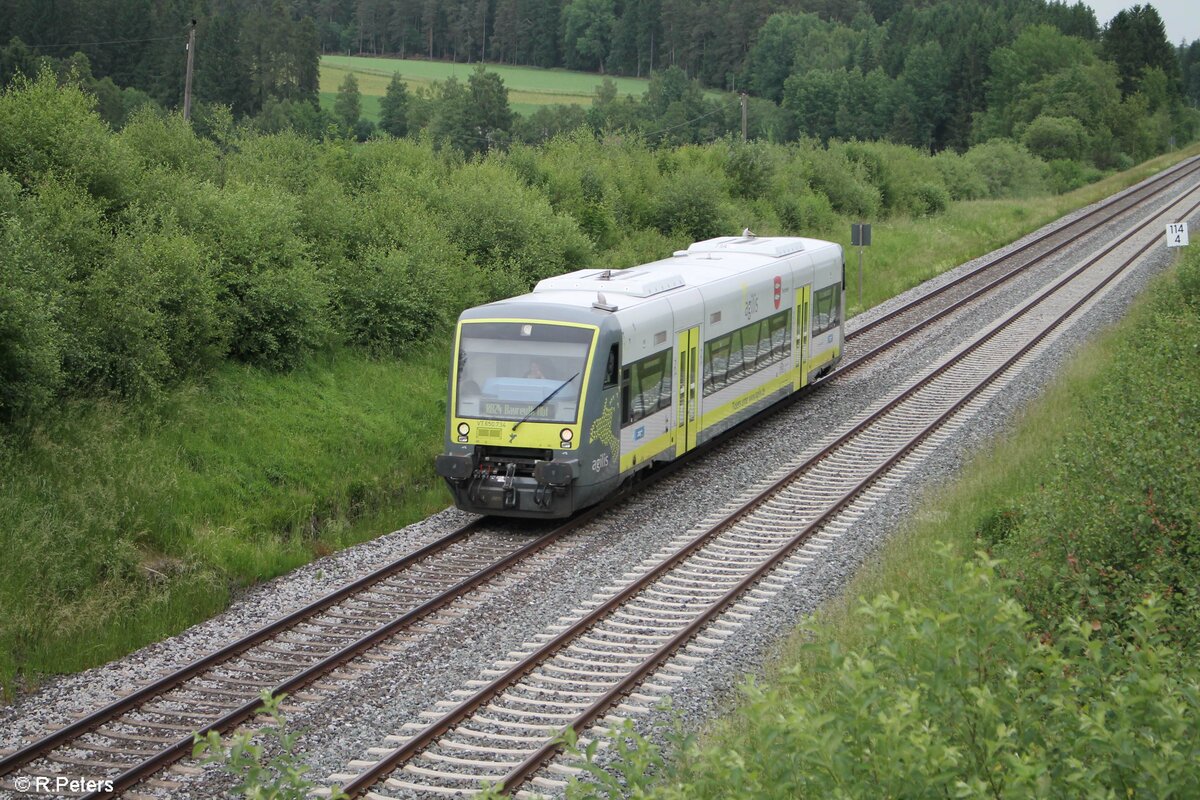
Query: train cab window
{"x": 612, "y": 367}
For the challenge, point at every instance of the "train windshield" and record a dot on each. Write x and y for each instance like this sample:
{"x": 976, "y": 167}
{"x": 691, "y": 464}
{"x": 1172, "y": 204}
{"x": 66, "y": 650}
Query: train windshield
{"x": 506, "y": 369}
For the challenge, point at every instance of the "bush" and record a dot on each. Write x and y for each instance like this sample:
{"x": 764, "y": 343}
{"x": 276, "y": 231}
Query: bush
{"x": 281, "y": 317}
{"x": 805, "y": 214}
{"x": 167, "y": 140}
{"x": 31, "y": 345}
{"x": 687, "y": 205}
{"x": 1064, "y": 175}
{"x": 1189, "y": 277}
{"x": 845, "y": 183}
{"x": 1117, "y": 516}
{"x": 391, "y": 298}
{"x": 929, "y": 198}
{"x": 1050, "y": 138}
{"x": 748, "y": 167}
{"x": 960, "y": 177}
{"x": 45, "y": 128}
{"x": 501, "y": 223}
{"x": 1007, "y": 168}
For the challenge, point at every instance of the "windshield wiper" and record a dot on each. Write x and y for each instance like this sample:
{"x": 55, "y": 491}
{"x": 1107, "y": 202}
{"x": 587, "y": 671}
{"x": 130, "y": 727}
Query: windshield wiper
{"x": 545, "y": 400}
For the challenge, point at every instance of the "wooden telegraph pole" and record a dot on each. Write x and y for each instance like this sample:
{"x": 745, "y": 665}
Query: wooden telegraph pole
{"x": 187, "y": 81}
{"x": 744, "y": 103}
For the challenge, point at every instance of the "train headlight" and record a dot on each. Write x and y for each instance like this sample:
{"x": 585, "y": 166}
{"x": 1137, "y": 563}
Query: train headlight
{"x": 566, "y": 434}
{"x": 463, "y": 429}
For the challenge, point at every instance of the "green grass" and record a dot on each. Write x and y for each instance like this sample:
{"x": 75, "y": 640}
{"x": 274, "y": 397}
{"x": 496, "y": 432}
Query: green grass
{"x": 528, "y": 87}
{"x": 124, "y": 526}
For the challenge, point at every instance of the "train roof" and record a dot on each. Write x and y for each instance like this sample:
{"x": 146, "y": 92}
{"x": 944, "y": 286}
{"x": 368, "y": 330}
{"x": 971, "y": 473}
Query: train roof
{"x": 702, "y": 263}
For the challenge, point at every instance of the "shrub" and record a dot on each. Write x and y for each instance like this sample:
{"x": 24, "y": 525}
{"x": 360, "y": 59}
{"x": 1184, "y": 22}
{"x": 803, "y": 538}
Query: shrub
{"x": 929, "y": 198}
{"x": 1189, "y": 277}
{"x": 31, "y": 343}
{"x": 1008, "y": 169}
{"x": 391, "y": 298}
{"x": 1049, "y": 138}
{"x": 805, "y": 213}
{"x": 45, "y": 128}
{"x": 687, "y": 204}
{"x": 1064, "y": 175}
{"x": 501, "y": 223}
{"x": 281, "y": 317}
{"x": 845, "y": 183}
{"x": 748, "y": 167}
{"x": 958, "y": 698}
{"x": 959, "y": 176}
{"x": 167, "y": 140}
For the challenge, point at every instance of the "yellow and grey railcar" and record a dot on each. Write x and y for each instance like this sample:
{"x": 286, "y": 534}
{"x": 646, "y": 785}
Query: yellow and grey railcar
{"x": 559, "y": 396}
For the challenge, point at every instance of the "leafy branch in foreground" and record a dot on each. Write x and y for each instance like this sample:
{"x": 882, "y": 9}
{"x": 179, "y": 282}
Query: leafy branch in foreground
{"x": 263, "y": 776}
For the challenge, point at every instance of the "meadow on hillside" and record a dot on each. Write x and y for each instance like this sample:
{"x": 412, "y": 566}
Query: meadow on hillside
{"x": 528, "y": 87}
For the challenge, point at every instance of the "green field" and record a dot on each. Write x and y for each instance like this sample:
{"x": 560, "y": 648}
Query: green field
{"x": 528, "y": 87}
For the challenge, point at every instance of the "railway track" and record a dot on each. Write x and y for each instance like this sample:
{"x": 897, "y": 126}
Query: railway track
{"x": 622, "y": 648}
{"x": 136, "y": 736}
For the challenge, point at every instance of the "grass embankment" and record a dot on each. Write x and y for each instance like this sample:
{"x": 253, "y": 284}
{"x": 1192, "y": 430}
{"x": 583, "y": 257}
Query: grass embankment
{"x": 219, "y": 486}
{"x": 1064, "y": 663}
{"x": 907, "y": 251}
{"x": 529, "y": 88}
{"x": 127, "y": 524}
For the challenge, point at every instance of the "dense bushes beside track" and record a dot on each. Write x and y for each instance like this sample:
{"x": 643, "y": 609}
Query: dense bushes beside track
{"x": 132, "y": 260}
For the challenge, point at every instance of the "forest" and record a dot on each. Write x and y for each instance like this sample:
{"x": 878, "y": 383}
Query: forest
{"x": 933, "y": 75}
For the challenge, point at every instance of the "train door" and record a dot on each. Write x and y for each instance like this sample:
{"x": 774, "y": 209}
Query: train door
{"x": 800, "y": 351}
{"x": 687, "y": 421}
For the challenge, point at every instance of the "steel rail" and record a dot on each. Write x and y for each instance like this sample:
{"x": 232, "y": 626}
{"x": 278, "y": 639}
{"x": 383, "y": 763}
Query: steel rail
{"x": 171, "y": 681}
{"x": 495, "y": 687}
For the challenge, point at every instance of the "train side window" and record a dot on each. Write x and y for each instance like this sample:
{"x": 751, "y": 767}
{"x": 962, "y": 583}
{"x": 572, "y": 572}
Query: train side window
{"x": 625, "y": 390}
{"x": 779, "y": 336}
{"x": 613, "y": 367}
{"x": 716, "y": 367}
{"x": 647, "y": 387}
{"x": 825, "y": 312}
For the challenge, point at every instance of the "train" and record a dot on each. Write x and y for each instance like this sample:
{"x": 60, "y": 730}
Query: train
{"x": 559, "y": 397}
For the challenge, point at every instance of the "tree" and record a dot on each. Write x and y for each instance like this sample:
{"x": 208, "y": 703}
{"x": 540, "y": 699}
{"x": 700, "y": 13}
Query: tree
{"x": 348, "y": 105}
{"x": 393, "y": 108}
{"x": 1136, "y": 39}
{"x": 491, "y": 116}
{"x": 587, "y": 33}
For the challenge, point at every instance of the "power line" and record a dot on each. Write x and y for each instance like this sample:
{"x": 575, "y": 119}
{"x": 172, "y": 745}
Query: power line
{"x": 689, "y": 122}
{"x": 94, "y": 44}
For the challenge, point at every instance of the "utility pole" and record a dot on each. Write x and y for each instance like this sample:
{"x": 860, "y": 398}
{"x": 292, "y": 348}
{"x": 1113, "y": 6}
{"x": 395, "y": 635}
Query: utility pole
{"x": 745, "y": 101}
{"x": 187, "y": 81}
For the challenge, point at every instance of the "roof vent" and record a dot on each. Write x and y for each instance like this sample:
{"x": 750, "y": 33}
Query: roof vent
{"x": 603, "y": 304}
{"x": 632, "y": 282}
